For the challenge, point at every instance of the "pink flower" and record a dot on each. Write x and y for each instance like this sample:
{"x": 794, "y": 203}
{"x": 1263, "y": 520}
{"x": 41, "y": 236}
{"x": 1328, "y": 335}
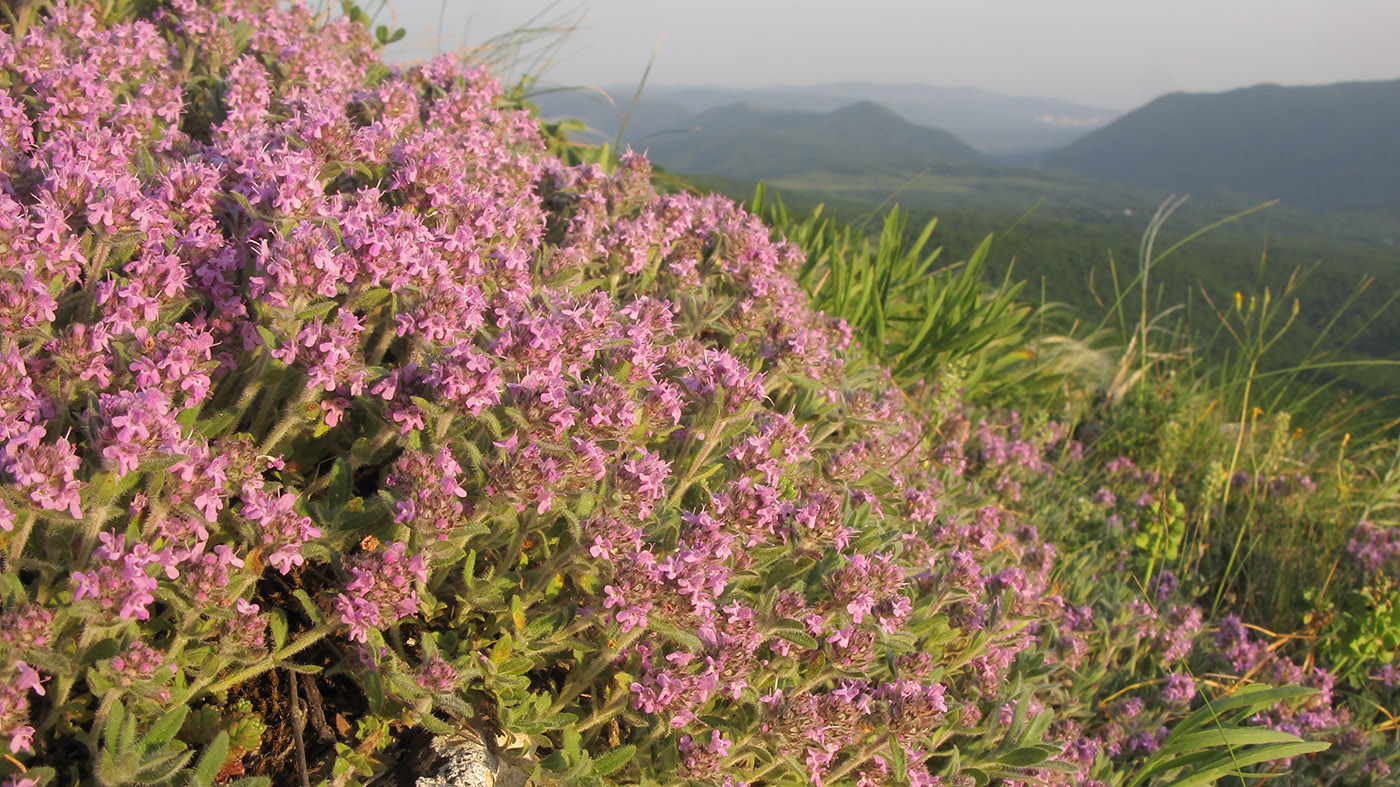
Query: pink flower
{"x": 21, "y": 739}
{"x": 28, "y": 679}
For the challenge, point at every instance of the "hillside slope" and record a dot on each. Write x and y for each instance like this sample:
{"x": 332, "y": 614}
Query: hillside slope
{"x": 1330, "y": 146}
{"x": 750, "y": 141}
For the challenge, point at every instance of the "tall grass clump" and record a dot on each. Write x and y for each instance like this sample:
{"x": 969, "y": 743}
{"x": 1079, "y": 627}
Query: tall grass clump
{"x": 1248, "y": 432}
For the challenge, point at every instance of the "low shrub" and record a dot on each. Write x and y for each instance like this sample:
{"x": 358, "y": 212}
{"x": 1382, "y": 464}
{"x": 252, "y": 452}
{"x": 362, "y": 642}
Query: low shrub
{"x": 337, "y": 411}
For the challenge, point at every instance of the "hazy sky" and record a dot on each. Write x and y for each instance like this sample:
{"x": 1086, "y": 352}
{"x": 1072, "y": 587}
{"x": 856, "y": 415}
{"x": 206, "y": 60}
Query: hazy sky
{"x": 1110, "y": 53}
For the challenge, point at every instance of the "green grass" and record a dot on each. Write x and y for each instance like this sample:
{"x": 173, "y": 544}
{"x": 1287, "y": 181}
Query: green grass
{"x": 1068, "y": 238}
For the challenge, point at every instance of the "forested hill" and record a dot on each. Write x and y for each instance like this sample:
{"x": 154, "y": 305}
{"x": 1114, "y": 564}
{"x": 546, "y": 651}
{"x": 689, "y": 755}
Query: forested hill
{"x": 753, "y": 142}
{"x": 1329, "y": 146}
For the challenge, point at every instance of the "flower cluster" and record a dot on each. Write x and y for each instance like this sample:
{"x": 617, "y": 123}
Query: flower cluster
{"x": 380, "y": 590}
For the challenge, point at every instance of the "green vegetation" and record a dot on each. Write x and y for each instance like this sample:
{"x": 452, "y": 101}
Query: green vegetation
{"x": 1068, "y": 245}
{"x": 352, "y": 418}
{"x": 1238, "y": 509}
{"x": 1068, "y": 236}
{"x": 1230, "y": 389}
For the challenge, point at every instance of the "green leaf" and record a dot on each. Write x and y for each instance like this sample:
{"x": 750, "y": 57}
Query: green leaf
{"x": 573, "y": 742}
{"x": 978, "y": 776}
{"x": 469, "y": 569}
{"x": 103, "y": 649}
{"x": 1018, "y": 719}
{"x": 554, "y": 761}
{"x": 797, "y": 637}
{"x": 213, "y": 426}
{"x": 1249, "y": 698}
{"x": 1251, "y": 756}
{"x": 211, "y": 761}
{"x": 1233, "y": 737}
{"x": 277, "y": 621}
{"x": 677, "y": 635}
{"x": 477, "y": 462}
{"x": 374, "y": 691}
{"x": 338, "y": 491}
{"x": 130, "y": 726}
{"x": 1027, "y": 755}
{"x": 308, "y": 606}
{"x": 161, "y": 767}
{"x": 558, "y": 721}
{"x": 165, "y": 727}
{"x": 614, "y": 759}
{"x": 1202, "y": 739}
{"x": 518, "y": 665}
{"x": 1058, "y": 767}
{"x": 112, "y": 730}
{"x": 301, "y": 669}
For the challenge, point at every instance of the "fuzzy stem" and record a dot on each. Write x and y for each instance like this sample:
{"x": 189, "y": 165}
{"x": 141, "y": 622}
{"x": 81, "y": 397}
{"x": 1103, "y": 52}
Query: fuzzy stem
{"x": 291, "y": 416}
{"x": 22, "y": 538}
{"x": 245, "y": 401}
{"x": 576, "y": 685}
{"x": 386, "y": 337}
{"x": 253, "y": 670}
{"x": 711, "y": 440}
{"x": 863, "y": 757}
{"x": 94, "y": 527}
{"x": 610, "y": 709}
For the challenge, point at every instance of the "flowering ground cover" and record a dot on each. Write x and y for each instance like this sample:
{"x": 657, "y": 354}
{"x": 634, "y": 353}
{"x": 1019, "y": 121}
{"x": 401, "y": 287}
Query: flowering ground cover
{"x": 341, "y": 407}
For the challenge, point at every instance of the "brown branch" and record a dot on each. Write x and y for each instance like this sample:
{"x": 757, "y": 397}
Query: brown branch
{"x": 298, "y": 724}
{"x": 316, "y": 714}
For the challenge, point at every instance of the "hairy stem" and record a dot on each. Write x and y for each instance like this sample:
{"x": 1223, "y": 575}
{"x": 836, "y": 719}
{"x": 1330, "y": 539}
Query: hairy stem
{"x": 303, "y": 642}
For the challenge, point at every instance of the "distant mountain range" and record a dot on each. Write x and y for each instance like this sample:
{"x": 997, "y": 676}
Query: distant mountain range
{"x": 992, "y": 123}
{"x": 1329, "y": 146}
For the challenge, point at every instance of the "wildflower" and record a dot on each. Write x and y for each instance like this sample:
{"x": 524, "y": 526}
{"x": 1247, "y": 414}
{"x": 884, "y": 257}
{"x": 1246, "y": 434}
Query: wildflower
{"x": 247, "y": 629}
{"x": 47, "y": 472}
{"x": 1388, "y": 676}
{"x": 1180, "y": 689}
{"x": 436, "y": 675}
{"x": 380, "y": 591}
{"x": 1373, "y": 546}
{"x": 28, "y": 679}
{"x": 120, "y": 581}
{"x": 283, "y": 531}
